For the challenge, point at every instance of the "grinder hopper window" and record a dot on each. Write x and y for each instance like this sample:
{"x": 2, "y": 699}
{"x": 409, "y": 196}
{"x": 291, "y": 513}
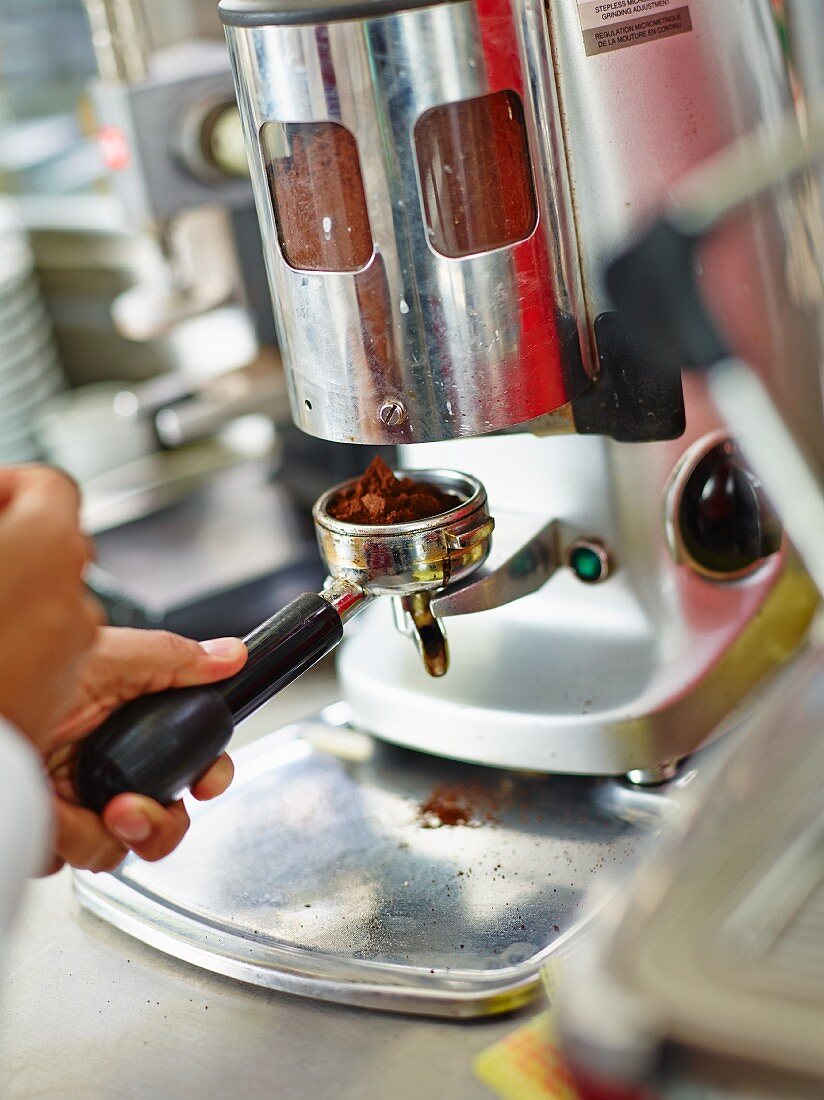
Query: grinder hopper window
{"x": 475, "y": 175}
{"x": 317, "y": 191}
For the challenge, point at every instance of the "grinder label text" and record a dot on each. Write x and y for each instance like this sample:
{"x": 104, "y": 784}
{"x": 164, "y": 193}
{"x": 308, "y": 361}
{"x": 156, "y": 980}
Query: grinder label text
{"x": 614, "y": 24}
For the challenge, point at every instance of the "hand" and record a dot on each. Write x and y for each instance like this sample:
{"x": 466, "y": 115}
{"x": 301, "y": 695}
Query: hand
{"x": 48, "y": 618}
{"x": 121, "y": 665}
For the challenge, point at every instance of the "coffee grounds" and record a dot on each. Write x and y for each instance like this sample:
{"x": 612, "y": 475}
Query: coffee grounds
{"x": 446, "y": 807}
{"x": 379, "y": 498}
{"x": 468, "y": 803}
{"x": 317, "y": 188}
{"x": 477, "y": 182}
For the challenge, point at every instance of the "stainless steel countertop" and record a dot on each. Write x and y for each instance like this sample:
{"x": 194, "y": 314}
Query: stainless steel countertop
{"x": 86, "y": 1012}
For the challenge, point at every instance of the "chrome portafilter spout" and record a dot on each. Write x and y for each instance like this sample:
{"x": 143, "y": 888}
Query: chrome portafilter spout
{"x": 408, "y": 561}
{"x": 160, "y": 744}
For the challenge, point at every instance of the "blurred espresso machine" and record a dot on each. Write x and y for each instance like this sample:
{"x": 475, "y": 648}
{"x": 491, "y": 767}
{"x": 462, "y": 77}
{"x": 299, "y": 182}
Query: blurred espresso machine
{"x": 439, "y": 188}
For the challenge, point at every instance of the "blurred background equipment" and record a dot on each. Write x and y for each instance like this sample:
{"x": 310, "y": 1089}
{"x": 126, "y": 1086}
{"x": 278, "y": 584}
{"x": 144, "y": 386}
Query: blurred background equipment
{"x": 169, "y": 134}
{"x": 708, "y": 969}
{"x": 30, "y": 372}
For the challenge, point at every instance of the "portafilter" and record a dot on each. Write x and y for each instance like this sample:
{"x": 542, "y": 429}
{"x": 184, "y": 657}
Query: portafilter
{"x": 158, "y": 745}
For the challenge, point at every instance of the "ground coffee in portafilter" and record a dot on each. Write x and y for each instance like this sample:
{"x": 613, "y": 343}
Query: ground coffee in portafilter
{"x": 380, "y": 498}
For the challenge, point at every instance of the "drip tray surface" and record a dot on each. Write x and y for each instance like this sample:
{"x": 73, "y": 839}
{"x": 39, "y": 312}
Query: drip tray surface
{"x": 319, "y": 874}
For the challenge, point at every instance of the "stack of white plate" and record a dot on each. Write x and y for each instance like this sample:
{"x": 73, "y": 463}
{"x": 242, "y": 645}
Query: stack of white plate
{"x": 29, "y": 370}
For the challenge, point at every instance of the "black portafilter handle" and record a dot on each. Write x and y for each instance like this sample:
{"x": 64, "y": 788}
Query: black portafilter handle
{"x": 159, "y": 745}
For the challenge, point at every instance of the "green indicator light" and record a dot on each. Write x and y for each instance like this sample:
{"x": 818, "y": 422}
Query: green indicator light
{"x": 587, "y": 564}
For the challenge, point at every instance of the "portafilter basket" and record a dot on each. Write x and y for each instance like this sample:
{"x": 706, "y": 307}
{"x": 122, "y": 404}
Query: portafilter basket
{"x": 403, "y": 559}
{"x": 160, "y": 744}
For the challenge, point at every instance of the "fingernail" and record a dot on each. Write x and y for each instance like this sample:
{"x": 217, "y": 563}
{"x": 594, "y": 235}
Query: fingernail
{"x": 222, "y": 647}
{"x": 133, "y": 828}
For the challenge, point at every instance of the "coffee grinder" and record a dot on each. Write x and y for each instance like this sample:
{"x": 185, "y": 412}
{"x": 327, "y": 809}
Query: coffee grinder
{"x": 439, "y": 188}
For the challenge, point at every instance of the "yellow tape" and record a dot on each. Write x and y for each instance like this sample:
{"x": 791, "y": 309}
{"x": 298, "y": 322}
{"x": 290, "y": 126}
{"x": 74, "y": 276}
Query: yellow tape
{"x": 549, "y": 977}
{"x": 526, "y": 1065}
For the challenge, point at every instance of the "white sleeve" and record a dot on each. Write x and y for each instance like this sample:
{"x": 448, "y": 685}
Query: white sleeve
{"x": 25, "y": 820}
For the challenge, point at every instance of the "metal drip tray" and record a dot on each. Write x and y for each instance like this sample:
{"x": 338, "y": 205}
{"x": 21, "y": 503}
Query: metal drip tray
{"x": 318, "y": 874}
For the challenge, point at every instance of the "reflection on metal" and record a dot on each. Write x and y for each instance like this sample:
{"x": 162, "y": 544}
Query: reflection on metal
{"x": 640, "y": 669}
{"x": 403, "y": 559}
{"x": 417, "y": 620}
{"x": 653, "y": 777}
{"x": 318, "y": 874}
{"x": 347, "y": 599}
{"x": 120, "y": 39}
{"x": 409, "y": 561}
{"x": 788, "y": 478}
{"x": 519, "y": 563}
{"x": 583, "y": 678}
{"x": 590, "y": 561}
{"x": 805, "y": 24}
{"x": 757, "y": 162}
{"x": 472, "y": 344}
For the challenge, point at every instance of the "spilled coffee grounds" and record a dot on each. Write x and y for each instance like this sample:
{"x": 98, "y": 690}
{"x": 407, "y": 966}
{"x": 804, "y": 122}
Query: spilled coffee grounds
{"x": 380, "y": 498}
{"x": 467, "y": 803}
{"x": 447, "y": 807}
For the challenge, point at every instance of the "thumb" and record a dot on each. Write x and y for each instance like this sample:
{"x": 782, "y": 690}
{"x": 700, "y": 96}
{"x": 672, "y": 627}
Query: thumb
{"x": 125, "y": 663}
{"x": 153, "y": 660}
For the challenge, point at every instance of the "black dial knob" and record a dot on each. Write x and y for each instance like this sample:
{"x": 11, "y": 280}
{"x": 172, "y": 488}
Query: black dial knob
{"x": 726, "y": 523}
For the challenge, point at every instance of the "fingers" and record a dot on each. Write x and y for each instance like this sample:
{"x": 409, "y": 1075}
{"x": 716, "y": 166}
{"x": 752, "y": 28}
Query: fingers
{"x": 124, "y": 664}
{"x": 90, "y": 619}
{"x": 142, "y": 661}
{"x": 129, "y": 822}
{"x": 216, "y": 780}
{"x": 83, "y": 841}
{"x": 198, "y": 662}
{"x": 49, "y": 621}
{"x": 45, "y": 503}
{"x": 42, "y": 489}
{"x": 42, "y": 506}
{"x": 14, "y": 478}
{"x": 152, "y": 831}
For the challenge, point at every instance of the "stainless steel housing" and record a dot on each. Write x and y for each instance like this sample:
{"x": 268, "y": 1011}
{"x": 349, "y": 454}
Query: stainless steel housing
{"x": 644, "y": 668}
{"x": 446, "y": 347}
{"x": 403, "y": 559}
